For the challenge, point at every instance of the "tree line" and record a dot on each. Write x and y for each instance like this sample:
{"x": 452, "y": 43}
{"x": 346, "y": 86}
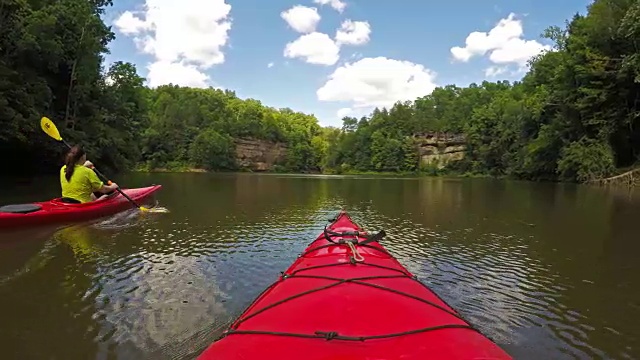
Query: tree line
{"x": 574, "y": 116}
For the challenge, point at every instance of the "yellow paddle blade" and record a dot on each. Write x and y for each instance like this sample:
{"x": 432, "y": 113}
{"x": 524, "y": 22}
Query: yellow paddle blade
{"x": 155, "y": 209}
{"x": 50, "y": 128}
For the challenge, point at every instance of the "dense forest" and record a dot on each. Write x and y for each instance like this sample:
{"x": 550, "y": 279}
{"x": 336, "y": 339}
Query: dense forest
{"x": 574, "y": 116}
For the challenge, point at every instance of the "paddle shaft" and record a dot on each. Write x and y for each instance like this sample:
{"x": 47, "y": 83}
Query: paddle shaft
{"x": 107, "y": 180}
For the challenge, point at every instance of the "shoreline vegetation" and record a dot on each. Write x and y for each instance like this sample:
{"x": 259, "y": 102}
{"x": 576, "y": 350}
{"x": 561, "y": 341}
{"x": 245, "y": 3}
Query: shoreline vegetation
{"x": 186, "y": 169}
{"x": 573, "y": 117}
{"x": 623, "y": 176}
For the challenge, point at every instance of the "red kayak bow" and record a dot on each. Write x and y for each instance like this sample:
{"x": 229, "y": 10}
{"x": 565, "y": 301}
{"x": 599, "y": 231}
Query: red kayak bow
{"x": 346, "y": 297}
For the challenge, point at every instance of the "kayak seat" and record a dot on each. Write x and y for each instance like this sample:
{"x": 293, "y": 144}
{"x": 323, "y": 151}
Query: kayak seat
{"x": 20, "y": 208}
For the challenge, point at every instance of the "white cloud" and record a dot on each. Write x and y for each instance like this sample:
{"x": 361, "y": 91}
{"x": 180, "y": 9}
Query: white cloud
{"x": 504, "y": 43}
{"x": 517, "y": 51}
{"x": 353, "y": 33}
{"x": 344, "y": 112}
{"x": 493, "y": 71}
{"x": 184, "y": 37}
{"x": 318, "y": 48}
{"x": 337, "y": 5}
{"x": 177, "y": 73}
{"x": 302, "y": 19}
{"x": 129, "y": 24}
{"x": 379, "y": 81}
{"x": 270, "y": 65}
{"x": 314, "y": 48}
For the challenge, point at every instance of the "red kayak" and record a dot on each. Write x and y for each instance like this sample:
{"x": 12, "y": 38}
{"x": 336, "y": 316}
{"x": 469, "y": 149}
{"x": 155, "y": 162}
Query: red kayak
{"x": 346, "y": 297}
{"x": 56, "y": 211}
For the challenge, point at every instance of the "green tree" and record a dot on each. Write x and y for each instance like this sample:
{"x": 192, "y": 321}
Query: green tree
{"x": 574, "y": 116}
{"x": 212, "y": 151}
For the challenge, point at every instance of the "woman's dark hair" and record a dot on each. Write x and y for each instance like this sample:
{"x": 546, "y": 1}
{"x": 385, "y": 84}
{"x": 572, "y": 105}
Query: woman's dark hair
{"x": 71, "y": 160}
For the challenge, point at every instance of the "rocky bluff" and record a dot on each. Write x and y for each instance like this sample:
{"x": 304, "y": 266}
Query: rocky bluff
{"x": 434, "y": 148}
{"x": 440, "y": 148}
{"x": 258, "y": 155}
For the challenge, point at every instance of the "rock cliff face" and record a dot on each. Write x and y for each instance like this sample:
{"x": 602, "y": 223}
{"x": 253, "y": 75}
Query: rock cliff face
{"x": 440, "y": 148}
{"x": 258, "y": 155}
{"x": 434, "y": 148}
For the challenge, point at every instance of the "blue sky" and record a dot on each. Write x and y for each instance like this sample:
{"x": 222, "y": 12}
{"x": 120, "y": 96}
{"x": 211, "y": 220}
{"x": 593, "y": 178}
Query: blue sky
{"x": 386, "y": 50}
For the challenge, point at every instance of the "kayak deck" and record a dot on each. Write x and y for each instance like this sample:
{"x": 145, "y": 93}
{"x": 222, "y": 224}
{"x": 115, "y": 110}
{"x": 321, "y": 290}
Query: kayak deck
{"x": 350, "y": 301}
{"x": 55, "y": 210}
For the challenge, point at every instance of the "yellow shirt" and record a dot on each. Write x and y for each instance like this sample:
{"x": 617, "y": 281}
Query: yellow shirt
{"x": 83, "y": 183}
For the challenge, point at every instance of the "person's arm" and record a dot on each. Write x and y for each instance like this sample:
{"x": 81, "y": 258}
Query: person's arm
{"x": 98, "y": 185}
{"x": 108, "y": 188}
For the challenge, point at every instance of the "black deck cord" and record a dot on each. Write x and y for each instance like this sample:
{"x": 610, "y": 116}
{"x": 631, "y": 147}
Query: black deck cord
{"x": 369, "y": 238}
{"x": 338, "y": 281}
{"x": 359, "y": 281}
{"x": 403, "y": 272}
{"x": 379, "y": 249}
{"x": 334, "y": 335}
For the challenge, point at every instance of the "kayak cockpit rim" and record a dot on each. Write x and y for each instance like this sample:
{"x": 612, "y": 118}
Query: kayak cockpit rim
{"x": 20, "y": 208}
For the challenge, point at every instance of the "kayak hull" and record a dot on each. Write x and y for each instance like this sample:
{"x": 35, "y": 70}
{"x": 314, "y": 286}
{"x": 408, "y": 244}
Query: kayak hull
{"x": 340, "y": 301}
{"x": 55, "y": 211}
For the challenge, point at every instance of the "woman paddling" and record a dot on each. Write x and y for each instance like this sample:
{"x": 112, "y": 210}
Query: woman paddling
{"x": 79, "y": 182}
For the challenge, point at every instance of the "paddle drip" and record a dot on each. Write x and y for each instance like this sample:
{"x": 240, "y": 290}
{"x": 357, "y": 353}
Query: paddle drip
{"x": 122, "y": 220}
{"x": 157, "y": 209}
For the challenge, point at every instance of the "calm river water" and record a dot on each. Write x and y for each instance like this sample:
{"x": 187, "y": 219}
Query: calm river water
{"x": 548, "y": 271}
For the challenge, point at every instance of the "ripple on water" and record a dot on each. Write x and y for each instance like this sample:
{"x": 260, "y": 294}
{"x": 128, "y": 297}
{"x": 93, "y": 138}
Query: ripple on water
{"x": 182, "y": 284}
{"x": 155, "y": 300}
{"x": 172, "y": 293}
{"x": 494, "y": 283}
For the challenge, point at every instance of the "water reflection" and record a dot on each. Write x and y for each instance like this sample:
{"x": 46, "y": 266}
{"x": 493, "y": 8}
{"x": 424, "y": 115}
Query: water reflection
{"x": 146, "y": 301}
{"x": 546, "y": 270}
{"x": 170, "y": 295}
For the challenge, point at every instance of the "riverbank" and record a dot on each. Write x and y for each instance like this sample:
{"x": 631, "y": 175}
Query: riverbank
{"x": 175, "y": 167}
{"x": 189, "y": 169}
{"x": 351, "y": 172}
{"x": 172, "y": 170}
